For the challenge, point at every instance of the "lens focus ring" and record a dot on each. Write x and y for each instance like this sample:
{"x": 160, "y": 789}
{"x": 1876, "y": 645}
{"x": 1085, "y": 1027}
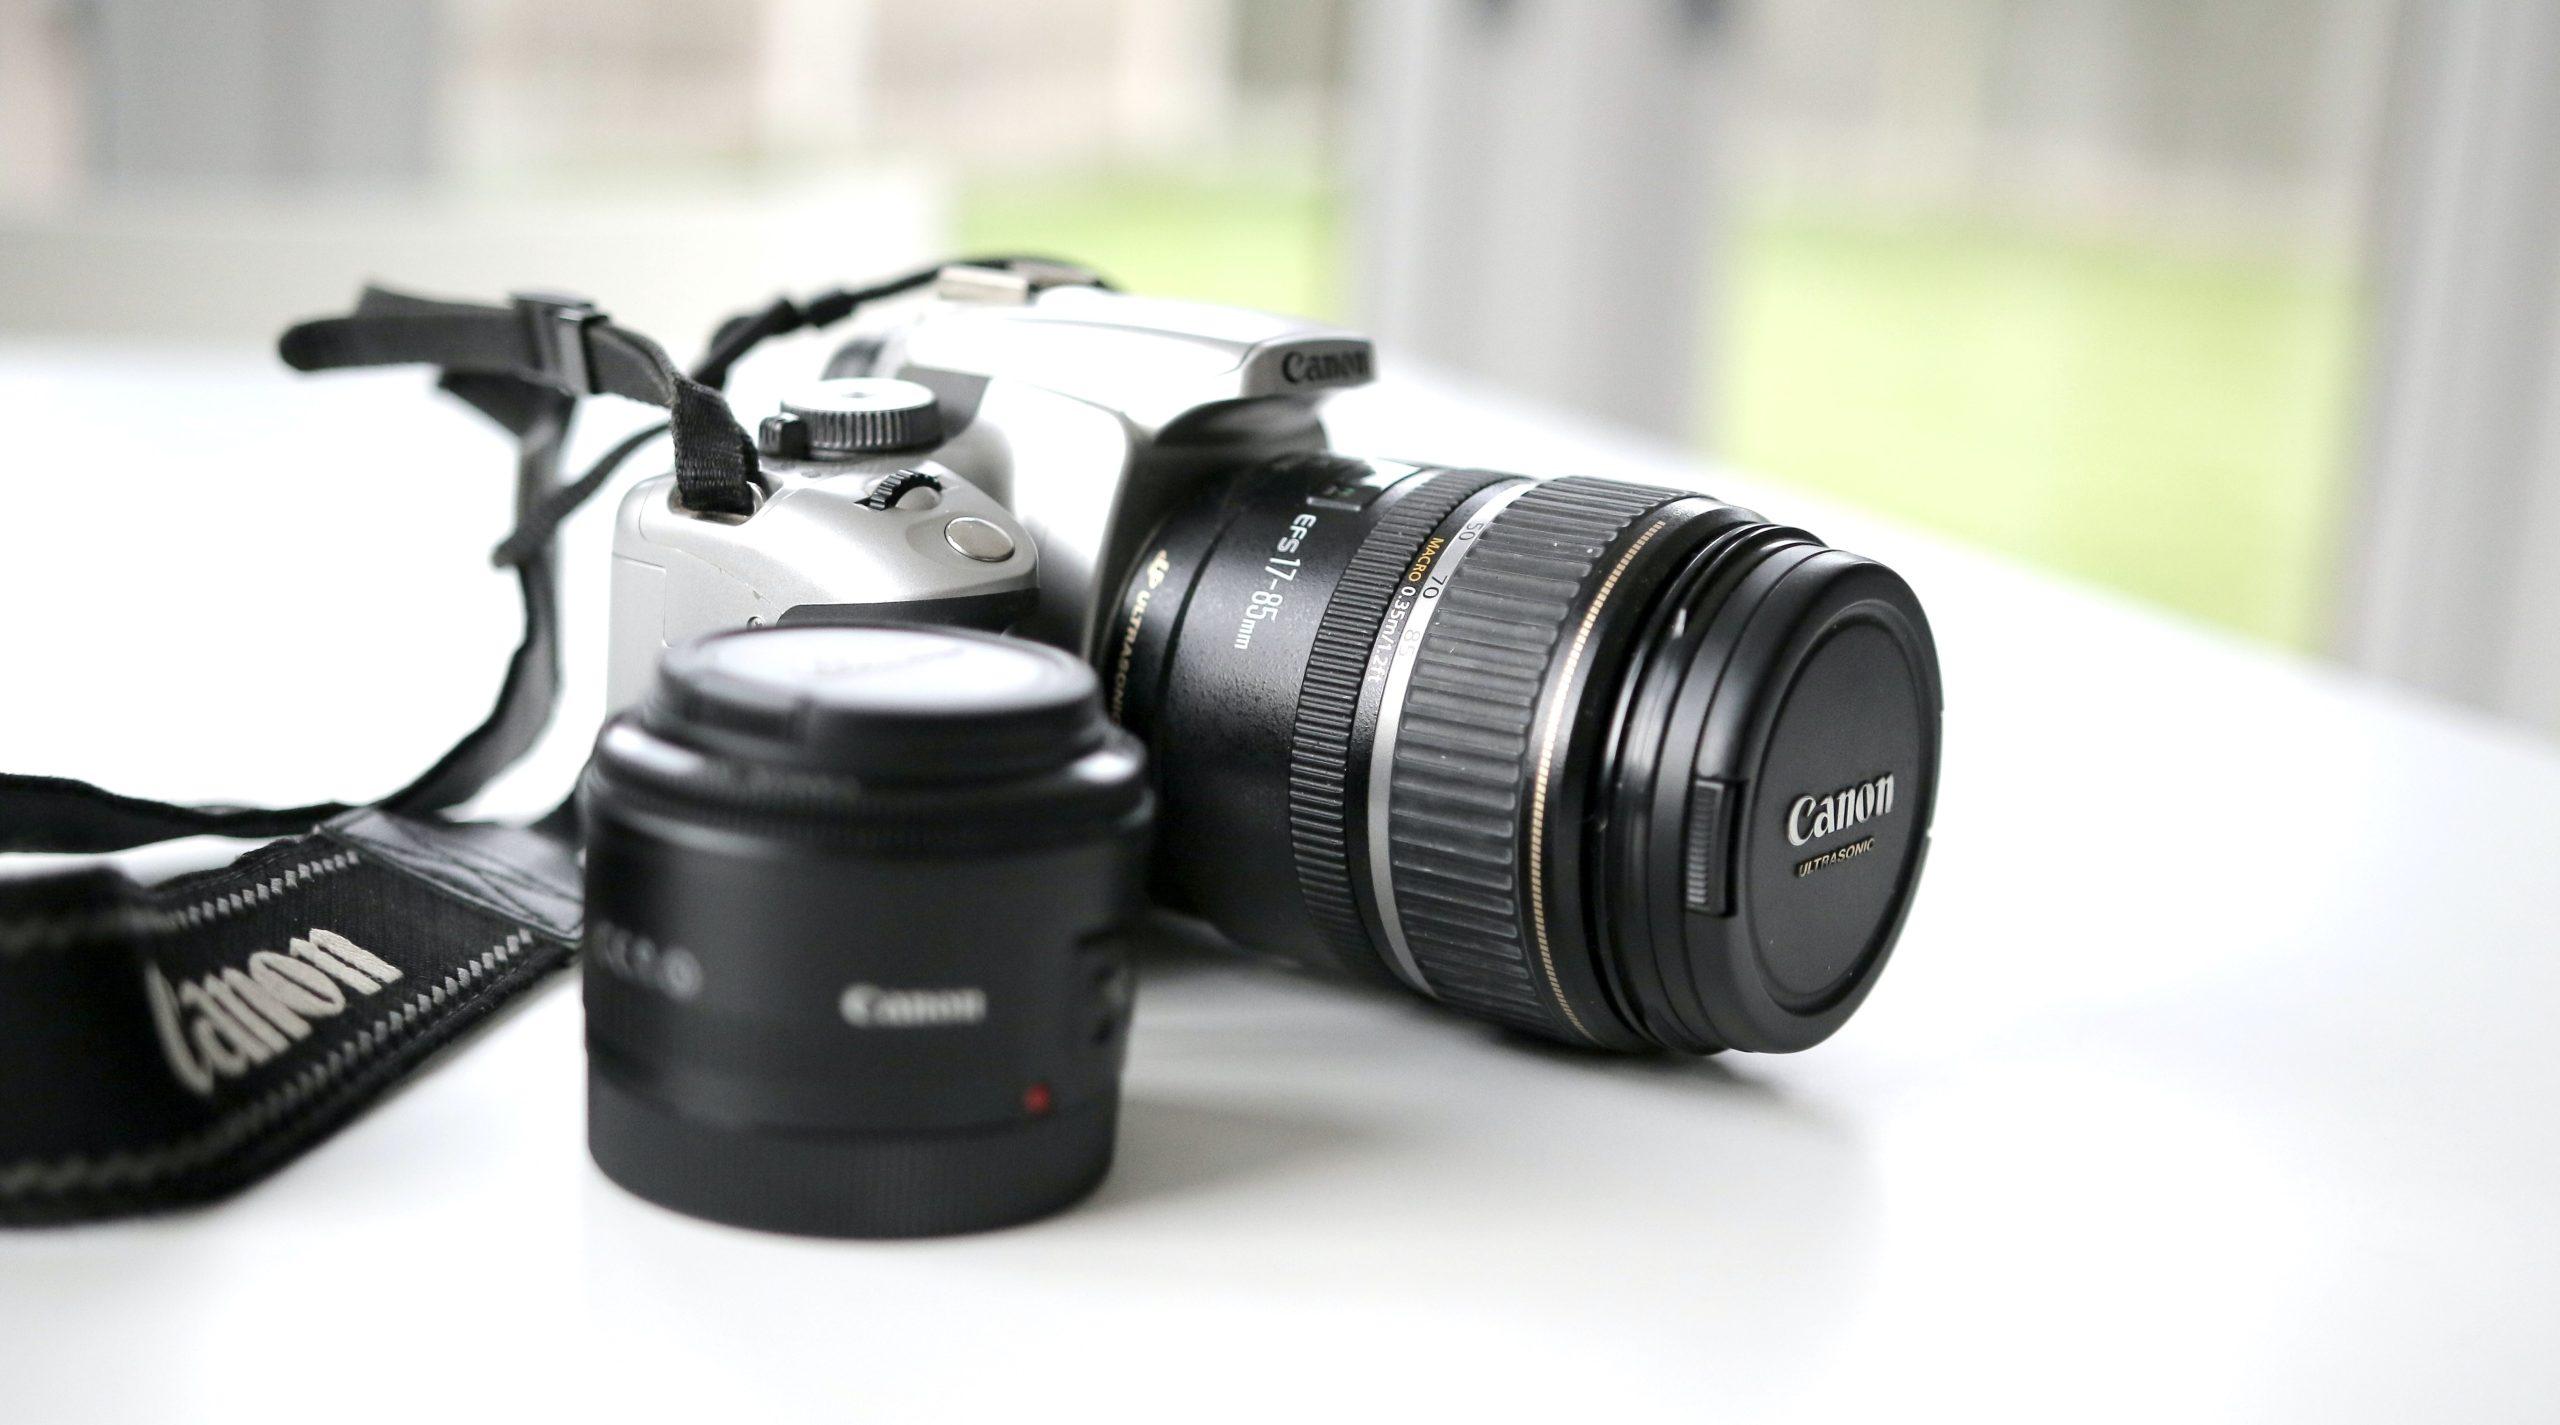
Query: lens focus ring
{"x": 1470, "y": 772}
{"x": 1321, "y": 752}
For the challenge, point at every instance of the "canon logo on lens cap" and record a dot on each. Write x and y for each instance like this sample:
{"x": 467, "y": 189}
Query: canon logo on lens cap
{"x": 1812, "y": 818}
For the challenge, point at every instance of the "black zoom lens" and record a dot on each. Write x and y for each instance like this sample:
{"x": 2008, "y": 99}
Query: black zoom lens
{"x": 856, "y": 904}
{"x": 1623, "y": 766}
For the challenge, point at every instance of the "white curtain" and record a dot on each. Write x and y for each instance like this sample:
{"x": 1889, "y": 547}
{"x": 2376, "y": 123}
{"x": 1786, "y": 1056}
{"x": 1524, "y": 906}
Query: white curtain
{"x": 2451, "y": 579}
{"x": 1536, "y": 195}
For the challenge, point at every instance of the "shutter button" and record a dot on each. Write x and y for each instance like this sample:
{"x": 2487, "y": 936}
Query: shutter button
{"x": 982, "y": 540}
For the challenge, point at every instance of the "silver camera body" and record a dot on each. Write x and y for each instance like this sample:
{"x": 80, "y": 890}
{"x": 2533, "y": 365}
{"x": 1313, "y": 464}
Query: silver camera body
{"x": 992, "y": 461}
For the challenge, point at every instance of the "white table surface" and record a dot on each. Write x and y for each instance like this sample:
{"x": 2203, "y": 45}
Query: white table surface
{"x": 2213, "y": 1080}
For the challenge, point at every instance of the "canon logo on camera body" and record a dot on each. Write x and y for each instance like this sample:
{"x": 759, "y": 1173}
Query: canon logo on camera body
{"x": 1812, "y": 818}
{"x": 1300, "y": 368}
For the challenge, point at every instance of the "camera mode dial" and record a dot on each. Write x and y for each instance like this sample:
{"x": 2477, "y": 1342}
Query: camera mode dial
{"x": 852, "y": 415}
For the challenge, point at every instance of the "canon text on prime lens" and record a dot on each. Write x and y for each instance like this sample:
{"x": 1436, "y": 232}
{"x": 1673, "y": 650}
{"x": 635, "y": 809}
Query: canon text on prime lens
{"x": 856, "y": 907}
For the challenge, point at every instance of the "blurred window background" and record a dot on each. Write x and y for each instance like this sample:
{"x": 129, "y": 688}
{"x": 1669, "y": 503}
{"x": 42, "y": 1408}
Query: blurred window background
{"x": 2240, "y": 307}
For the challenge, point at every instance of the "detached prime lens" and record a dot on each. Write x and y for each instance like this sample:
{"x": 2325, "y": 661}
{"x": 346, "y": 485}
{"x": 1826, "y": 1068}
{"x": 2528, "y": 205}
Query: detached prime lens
{"x": 1623, "y": 766}
{"x": 856, "y": 900}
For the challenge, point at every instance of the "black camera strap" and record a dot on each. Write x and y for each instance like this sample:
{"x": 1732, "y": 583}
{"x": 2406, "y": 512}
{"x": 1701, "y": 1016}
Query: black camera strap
{"x": 166, "y": 1044}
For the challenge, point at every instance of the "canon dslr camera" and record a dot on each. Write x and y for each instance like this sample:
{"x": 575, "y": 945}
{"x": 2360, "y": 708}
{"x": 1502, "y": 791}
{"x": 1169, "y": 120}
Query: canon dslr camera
{"x": 1623, "y": 766}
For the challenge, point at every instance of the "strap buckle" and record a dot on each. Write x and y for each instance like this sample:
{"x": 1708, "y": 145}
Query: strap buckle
{"x": 557, "y": 327}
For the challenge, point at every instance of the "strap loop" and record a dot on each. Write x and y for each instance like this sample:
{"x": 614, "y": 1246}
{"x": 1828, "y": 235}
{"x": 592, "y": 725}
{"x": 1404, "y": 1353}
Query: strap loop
{"x": 733, "y": 340}
{"x": 558, "y": 328}
{"x": 524, "y": 366}
{"x": 561, "y": 344}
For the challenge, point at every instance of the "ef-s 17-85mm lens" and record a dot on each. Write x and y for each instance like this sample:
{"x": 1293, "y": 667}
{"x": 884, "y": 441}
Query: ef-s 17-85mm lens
{"x": 1624, "y": 766}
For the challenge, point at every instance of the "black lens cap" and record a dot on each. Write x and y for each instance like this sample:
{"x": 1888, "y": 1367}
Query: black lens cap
{"x": 881, "y": 702}
{"x": 1794, "y": 766}
{"x": 859, "y": 901}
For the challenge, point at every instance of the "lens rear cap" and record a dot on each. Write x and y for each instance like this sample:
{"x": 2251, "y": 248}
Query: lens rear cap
{"x": 1803, "y": 822}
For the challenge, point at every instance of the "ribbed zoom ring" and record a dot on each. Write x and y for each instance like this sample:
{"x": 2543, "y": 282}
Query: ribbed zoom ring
{"x": 1320, "y": 754}
{"x": 1465, "y": 759}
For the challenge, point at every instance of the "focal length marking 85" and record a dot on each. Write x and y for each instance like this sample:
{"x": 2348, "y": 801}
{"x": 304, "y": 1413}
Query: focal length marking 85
{"x": 1281, "y": 568}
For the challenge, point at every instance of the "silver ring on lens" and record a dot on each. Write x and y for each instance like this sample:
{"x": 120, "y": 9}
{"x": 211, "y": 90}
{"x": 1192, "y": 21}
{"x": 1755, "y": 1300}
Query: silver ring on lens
{"x": 1382, "y": 751}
